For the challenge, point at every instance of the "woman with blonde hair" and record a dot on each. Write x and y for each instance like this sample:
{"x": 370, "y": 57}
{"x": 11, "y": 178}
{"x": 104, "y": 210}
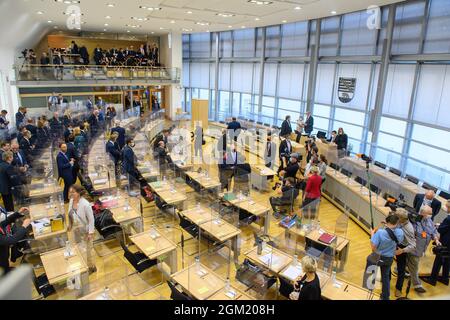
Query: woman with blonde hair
{"x": 308, "y": 287}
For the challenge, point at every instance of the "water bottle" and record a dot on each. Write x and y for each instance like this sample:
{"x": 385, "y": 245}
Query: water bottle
{"x": 197, "y": 263}
{"x": 68, "y": 249}
{"x": 106, "y": 295}
{"x": 333, "y": 276}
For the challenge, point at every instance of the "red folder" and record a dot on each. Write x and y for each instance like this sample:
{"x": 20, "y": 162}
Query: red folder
{"x": 327, "y": 238}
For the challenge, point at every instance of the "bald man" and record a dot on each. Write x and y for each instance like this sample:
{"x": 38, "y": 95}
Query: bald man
{"x": 427, "y": 199}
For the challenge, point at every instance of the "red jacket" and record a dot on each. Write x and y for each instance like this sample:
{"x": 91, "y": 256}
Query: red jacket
{"x": 313, "y": 186}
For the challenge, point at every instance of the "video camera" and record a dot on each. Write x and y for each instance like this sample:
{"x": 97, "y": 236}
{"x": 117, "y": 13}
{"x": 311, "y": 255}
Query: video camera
{"x": 364, "y": 157}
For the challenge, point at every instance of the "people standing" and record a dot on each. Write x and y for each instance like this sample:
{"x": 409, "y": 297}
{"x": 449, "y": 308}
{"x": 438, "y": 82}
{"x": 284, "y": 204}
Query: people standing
{"x": 286, "y": 128}
{"x": 65, "y": 169}
{"x": 309, "y": 123}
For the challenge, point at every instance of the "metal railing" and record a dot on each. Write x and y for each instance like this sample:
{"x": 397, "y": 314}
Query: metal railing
{"x": 38, "y": 72}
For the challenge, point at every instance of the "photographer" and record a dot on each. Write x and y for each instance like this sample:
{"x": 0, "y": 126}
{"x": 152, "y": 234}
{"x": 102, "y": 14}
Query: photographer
{"x": 288, "y": 194}
{"x": 442, "y": 256}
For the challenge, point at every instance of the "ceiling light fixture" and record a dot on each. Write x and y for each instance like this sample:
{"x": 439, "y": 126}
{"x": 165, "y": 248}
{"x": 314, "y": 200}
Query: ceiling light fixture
{"x": 200, "y": 23}
{"x": 104, "y": 30}
{"x": 50, "y": 21}
{"x": 150, "y": 8}
{"x": 106, "y": 24}
{"x": 110, "y": 5}
{"x": 260, "y": 3}
{"x": 242, "y": 27}
{"x": 284, "y": 21}
{"x": 128, "y": 31}
{"x": 333, "y": 12}
{"x": 230, "y": 26}
{"x": 257, "y": 19}
{"x": 186, "y": 29}
{"x": 108, "y": 17}
{"x": 39, "y": 12}
{"x": 298, "y": 8}
{"x": 225, "y": 15}
{"x": 173, "y": 21}
{"x": 189, "y": 12}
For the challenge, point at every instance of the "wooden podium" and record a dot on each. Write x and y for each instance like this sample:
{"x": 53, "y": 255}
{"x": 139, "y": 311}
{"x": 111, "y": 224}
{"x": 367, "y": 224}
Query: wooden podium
{"x": 199, "y": 112}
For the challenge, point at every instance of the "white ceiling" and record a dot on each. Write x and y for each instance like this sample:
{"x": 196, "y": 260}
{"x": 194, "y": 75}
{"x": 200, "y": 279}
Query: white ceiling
{"x": 174, "y": 16}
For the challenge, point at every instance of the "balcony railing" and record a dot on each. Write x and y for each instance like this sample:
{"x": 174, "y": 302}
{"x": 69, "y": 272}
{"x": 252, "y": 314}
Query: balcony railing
{"x": 38, "y": 72}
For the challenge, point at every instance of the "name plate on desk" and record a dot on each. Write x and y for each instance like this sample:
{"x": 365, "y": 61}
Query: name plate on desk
{"x": 100, "y": 181}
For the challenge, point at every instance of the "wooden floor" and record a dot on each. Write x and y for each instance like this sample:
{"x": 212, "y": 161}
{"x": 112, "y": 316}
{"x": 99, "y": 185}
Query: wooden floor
{"x": 114, "y": 271}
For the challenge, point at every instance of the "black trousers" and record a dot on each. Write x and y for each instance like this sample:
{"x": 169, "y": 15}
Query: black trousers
{"x": 401, "y": 270}
{"x": 68, "y": 182}
{"x": 8, "y": 201}
{"x": 439, "y": 262}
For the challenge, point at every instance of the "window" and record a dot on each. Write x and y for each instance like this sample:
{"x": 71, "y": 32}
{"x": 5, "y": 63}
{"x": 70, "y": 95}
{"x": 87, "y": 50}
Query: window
{"x": 185, "y": 39}
{"x": 294, "y": 41}
{"x": 361, "y": 72}
{"x": 203, "y": 94}
{"x": 256, "y": 73}
{"x": 224, "y": 76}
{"x": 432, "y": 136}
{"x": 433, "y": 95}
{"x": 387, "y": 141}
{"x": 429, "y": 155}
{"x": 236, "y": 104}
{"x": 199, "y": 75}
{"x": 329, "y": 36}
{"x": 244, "y": 43}
{"x": 393, "y": 126}
{"x": 270, "y": 78}
{"x": 324, "y": 84}
{"x": 391, "y": 159}
{"x": 246, "y": 107}
{"x": 321, "y": 111}
{"x": 437, "y": 38}
{"x": 357, "y": 39}
{"x": 273, "y": 41}
{"x": 200, "y": 45}
{"x": 225, "y": 44}
{"x": 433, "y": 176}
{"x": 224, "y": 104}
{"x": 408, "y": 27}
{"x": 267, "y": 110}
{"x": 291, "y": 81}
{"x": 398, "y": 90}
{"x": 353, "y": 117}
{"x": 241, "y": 77}
{"x": 352, "y": 131}
{"x": 185, "y": 74}
{"x": 321, "y": 124}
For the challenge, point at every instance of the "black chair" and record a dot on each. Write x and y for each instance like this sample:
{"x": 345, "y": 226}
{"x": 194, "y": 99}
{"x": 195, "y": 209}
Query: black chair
{"x": 380, "y": 165}
{"x": 285, "y": 288}
{"x": 429, "y": 187}
{"x": 259, "y": 122}
{"x": 346, "y": 172}
{"x": 188, "y": 226}
{"x": 138, "y": 260}
{"x": 251, "y": 120}
{"x": 374, "y": 188}
{"x": 42, "y": 286}
{"x": 444, "y": 195}
{"x": 275, "y": 127}
{"x": 334, "y": 166}
{"x": 412, "y": 179}
{"x": 267, "y": 125}
{"x": 361, "y": 181}
{"x": 177, "y": 295}
{"x": 395, "y": 171}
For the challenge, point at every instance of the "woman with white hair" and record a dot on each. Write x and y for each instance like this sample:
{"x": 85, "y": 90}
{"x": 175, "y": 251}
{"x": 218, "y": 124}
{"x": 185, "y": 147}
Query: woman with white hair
{"x": 309, "y": 284}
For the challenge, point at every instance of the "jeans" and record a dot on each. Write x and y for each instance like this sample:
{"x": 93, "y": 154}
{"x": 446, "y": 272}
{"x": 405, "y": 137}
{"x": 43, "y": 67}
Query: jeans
{"x": 385, "y": 264}
{"x": 401, "y": 270}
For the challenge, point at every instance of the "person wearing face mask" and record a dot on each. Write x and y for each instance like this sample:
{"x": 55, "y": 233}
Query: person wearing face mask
{"x": 341, "y": 141}
{"x": 333, "y": 136}
{"x": 427, "y": 199}
{"x": 442, "y": 259}
{"x": 299, "y": 129}
{"x": 81, "y": 224}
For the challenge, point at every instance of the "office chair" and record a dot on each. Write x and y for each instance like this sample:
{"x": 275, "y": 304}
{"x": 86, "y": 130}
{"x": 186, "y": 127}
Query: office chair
{"x": 177, "y": 295}
{"x": 42, "y": 286}
{"x": 251, "y": 120}
{"x": 334, "y": 166}
{"x": 412, "y": 179}
{"x": 380, "y": 165}
{"x": 188, "y": 226}
{"x": 285, "y": 288}
{"x": 374, "y": 189}
{"x": 346, "y": 172}
{"x": 429, "y": 187}
{"x": 444, "y": 195}
{"x": 138, "y": 260}
{"x": 395, "y": 171}
{"x": 267, "y": 125}
{"x": 361, "y": 181}
{"x": 259, "y": 122}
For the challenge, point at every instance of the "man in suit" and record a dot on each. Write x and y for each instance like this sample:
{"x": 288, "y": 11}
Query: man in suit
{"x": 65, "y": 169}
{"x": 309, "y": 123}
{"x": 164, "y": 136}
{"x": 161, "y": 155}
{"x": 286, "y": 128}
{"x": 9, "y": 238}
{"x": 97, "y": 55}
{"x": 94, "y": 122}
{"x": 270, "y": 151}
{"x": 56, "y": 125}
{"x": 235, "y": 126}
{"x": 8, "y": 179}
{"x": 288, "y": 194}
{"x": 442, "y": 259}
{"x": 129, "y": 160}
{"x": 84, "y": 55}
{"x": 23, "y": 177}
{"x": 121, "y": 132}
{"x": 427, "y": 199}
{"x": 72, "y": 153}
{"x": 292, "y": 167}
{"x": 113, "y": 149}
{"x": 33, "y": 130}
{"x": 26, "y": 146}
{"x": 333, "y": 136}
{"x": 68, "y": 132}
{"x": 74, "y": 48}
{"x": 284, "y": 152}
{"x": 20, "y": 116}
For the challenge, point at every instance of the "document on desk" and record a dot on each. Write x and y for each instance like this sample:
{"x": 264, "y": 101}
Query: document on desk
{"x": 40, "y": 225}
{"x": 270, "y": 259}
{"x": 293, "y": 272}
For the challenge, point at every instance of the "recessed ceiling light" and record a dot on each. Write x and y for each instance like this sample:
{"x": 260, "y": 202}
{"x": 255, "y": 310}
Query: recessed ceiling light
{"x": 150, "y": 8}
{"x": 298, "y": 8}
{"x": 186, "y": 29}
{"x": 67, "y": 2}
{"x": 49, "y": 21}
{"x": 152, "y": 32}
{"x": 128, "y": 31}
{"x": 161, "y": 28}
{"x": 242, "y": 27}
{"x": 108, "y": 17}
{"x": 111, "y": 5}
{"x": 55, "y": 27}
{"x": 39, "y": 12}
{"x": 333, "y": 12}
{"x": 189, "y": 12}
{"x": 173, "y": 21}
{"x": 284, "y": 21}
{"x": 106, "y": 24}
{"x": 225, "y": 15}
{"x": 230, "y": 26}
{"x": 104, "y": 30}
{"x": 260, "y": 3}
{"x": 207, "y": 30}
{"x": 200, "y": 23}
{"x": 257, "y": 19}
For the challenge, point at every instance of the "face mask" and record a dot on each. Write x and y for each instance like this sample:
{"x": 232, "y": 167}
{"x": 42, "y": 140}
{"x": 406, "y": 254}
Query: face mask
{"x": 132, "y": 145}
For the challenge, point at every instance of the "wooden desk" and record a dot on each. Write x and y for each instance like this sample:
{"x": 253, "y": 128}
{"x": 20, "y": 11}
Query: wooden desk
{"x": 277, "y": 259}
{"x": 200, "y": 286}
{"x": 206, "y": 183}
{"x": 352, "y": 291}
{"x": 182, "y": 162}
{"x": 148, "y": 171}
{"x": 43, "y": 211}
{"x": 340, "y": 246}
{"x": 199, "y": 215}
{"x": 127, "y": 216}
{"x": 168, "y": 193}
{"x": 239, "y": 295}
{"x": 256, "y": 209}
{"x": 59, "y": 269}
{"x": 154, "y": 245}
{"x": 259, "y": 176}
{"x": 45, "y": 190}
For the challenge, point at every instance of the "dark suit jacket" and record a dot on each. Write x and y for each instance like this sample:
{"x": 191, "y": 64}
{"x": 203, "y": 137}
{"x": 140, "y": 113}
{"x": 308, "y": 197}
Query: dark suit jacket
{"x": 7, "y": 173}
{"x": 16, "y": 161}
{"x": 121, "y": 138}
{"x": 341, "y": 141}
{"x": 114, "y": 151}
{"x": 65, "y": 169}
{"x": 444, "y": 231}
{"x": 284, "y": 150}
{"x": 234, "y": 125}
{"x": 25, "y": 146}
{"x": 309, "y": 124}
{"x": 19, "y": 119}
{"x": 435, "y": 204}
{"x": 286, "y": 128}
{"x": 128, "y": 159}
{"x": 6, "y": 241}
